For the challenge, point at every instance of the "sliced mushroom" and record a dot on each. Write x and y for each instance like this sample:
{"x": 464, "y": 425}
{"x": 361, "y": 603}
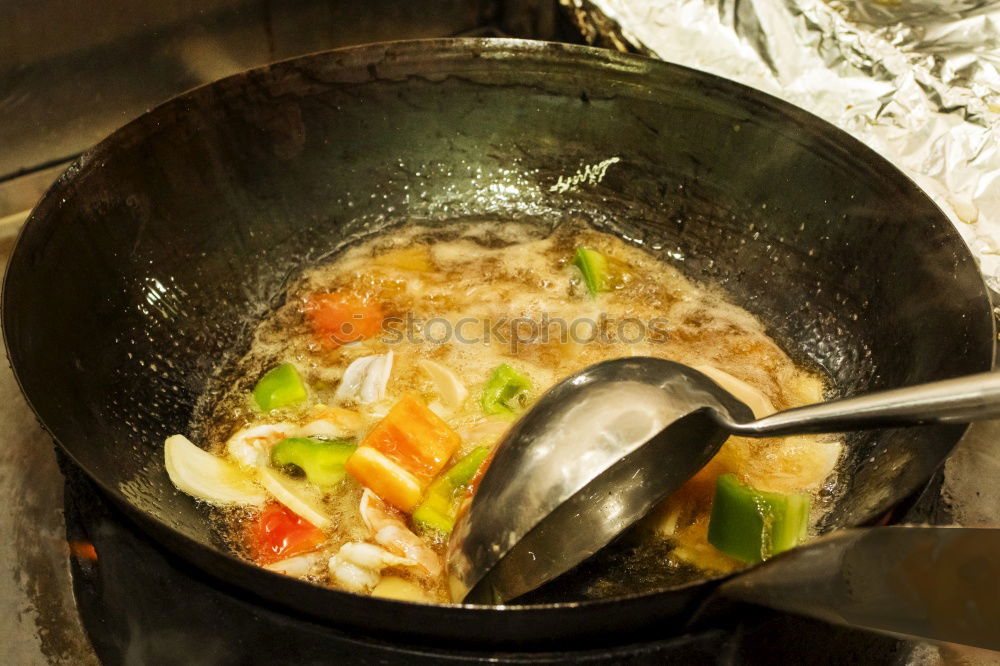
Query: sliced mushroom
{"x": 449, "y": 388}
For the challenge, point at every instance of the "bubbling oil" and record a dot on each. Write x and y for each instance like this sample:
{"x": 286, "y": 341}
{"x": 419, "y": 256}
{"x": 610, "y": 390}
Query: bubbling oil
{"x": 474, "y": 295}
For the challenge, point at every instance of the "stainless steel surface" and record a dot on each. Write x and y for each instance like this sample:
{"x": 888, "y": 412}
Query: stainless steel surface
{"x": 578, "y": 469}
{"x": 39, "y": 623}
{"x": 604, "y": 446}
{"x": 70, "y": 74}
{"x": 960, "y": 400}
{"x": 918, "y": 81}
{"x": 938, "y": 583}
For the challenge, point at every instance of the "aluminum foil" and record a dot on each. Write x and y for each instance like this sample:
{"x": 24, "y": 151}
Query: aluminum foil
{"x": 917, "y": 80}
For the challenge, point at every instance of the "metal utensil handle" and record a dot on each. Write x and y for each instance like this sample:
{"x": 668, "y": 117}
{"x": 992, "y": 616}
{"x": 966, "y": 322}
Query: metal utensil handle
{"x": 971, "y": 398}
{"x": 937, "y": 583}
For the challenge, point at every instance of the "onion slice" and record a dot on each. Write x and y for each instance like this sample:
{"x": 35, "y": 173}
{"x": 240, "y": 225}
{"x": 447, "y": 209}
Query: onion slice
{"x": 207, "y": 477}
{"x": 296, "y": 495}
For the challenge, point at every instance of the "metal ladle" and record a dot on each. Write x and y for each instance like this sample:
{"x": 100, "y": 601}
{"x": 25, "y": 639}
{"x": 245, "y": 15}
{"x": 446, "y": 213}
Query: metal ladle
{"x": 608, "y": 443}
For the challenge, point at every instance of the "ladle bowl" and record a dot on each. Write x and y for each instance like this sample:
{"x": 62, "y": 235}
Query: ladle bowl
{"x": 600, "y": 449}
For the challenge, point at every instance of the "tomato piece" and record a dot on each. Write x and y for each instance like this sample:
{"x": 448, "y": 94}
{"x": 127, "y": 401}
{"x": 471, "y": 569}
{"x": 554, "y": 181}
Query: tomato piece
{"x": 280, "y": 533}
{"x": 338, "y": 318}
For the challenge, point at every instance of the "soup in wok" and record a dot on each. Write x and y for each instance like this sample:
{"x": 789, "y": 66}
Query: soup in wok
{"x": 370, "y": 403}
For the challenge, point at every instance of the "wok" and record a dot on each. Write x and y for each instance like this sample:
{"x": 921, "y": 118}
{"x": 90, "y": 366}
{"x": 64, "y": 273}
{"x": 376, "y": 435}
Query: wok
{"x": 137, "y": 280}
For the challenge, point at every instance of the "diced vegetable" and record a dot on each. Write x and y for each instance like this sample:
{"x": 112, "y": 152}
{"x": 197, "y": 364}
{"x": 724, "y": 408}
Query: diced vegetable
{"x": 280, "y": 387}
{"x": 440, "y": 506}
{"x": 322, "y": 461}
{"x": 415, "y": 438}
{"x": 403, "y": 452}
{"x": 478, "y": 476}
{"x": 339, "y": 318}
{"x": 279, "y": 534}
{"x": 207, "y": 477}
{"x": 385, "y": 478}
{"x": 434, "y": 514}
{"x": 594, "y": 267}
{"x": 447, "y": 384}
{"x": 297, "y": 495}
{"x": 394, "y": 587}
{"x": 463, "y": 471}
{"x": 752, "y": 525}
{"x": 505, "y": 391}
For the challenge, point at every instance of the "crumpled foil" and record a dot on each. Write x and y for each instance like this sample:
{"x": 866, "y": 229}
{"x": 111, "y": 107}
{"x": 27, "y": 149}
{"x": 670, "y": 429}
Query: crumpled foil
{"x": 917, "y": 80}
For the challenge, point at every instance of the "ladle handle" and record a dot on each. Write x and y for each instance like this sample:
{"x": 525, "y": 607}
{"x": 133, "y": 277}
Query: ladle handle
{"x": 961, "y": 400}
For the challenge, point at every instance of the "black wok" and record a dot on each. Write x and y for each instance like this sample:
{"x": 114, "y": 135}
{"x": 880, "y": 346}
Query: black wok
{"x": 143, "y": 270}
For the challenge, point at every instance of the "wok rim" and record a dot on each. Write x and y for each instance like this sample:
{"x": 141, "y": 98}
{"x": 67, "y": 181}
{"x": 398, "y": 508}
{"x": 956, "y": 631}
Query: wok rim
{"x": 587, "y": 57}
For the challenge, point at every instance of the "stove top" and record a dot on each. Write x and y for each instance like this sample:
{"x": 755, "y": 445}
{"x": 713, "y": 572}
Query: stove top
{"x": 141, "y": 605}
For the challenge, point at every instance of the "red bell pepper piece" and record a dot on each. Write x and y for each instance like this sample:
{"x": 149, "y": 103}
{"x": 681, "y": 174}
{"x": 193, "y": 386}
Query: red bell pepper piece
{"x": 279, "y": 533}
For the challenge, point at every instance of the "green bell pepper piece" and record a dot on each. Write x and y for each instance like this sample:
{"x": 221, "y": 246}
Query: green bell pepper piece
{"x": 752, "y": 525}
{"x": 280, "y": 387}
{"x": 594, "y": 267}
{"x": 439, "y": 509}
{"x": 430, "y": 517}
{"x": 504, "y": 391}
{"x": 461, "y": 473}
{"x": 322, "y": 461}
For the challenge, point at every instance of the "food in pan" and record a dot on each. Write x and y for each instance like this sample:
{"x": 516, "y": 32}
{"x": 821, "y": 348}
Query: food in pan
{"x": 366, "y": 410}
